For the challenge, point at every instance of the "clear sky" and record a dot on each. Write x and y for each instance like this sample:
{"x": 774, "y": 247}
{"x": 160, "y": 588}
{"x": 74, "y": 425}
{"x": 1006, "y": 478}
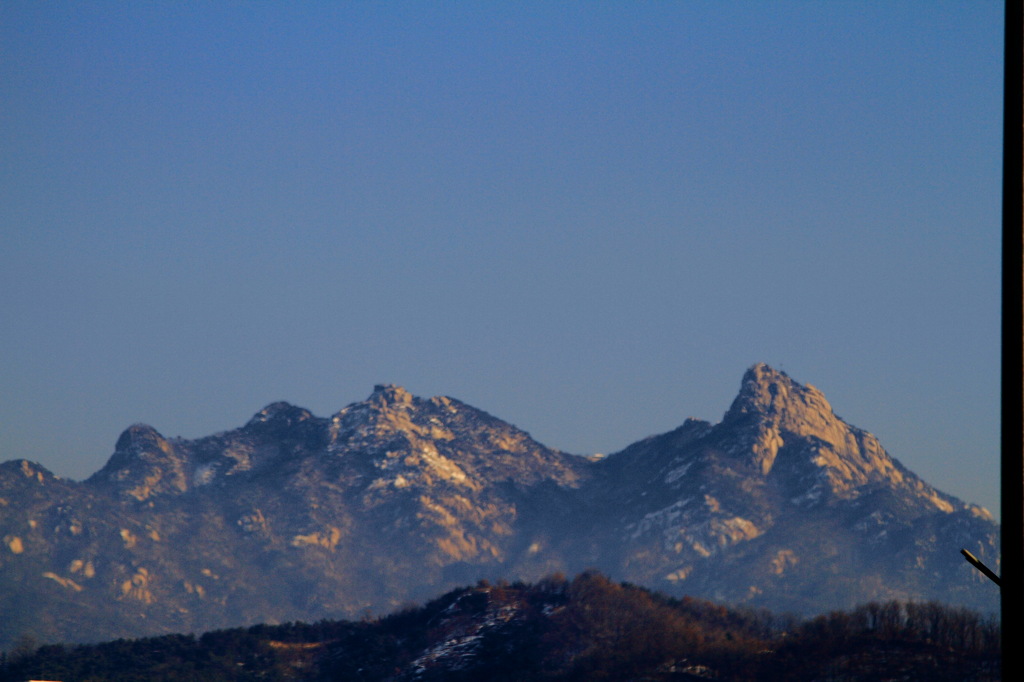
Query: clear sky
{"x": 587, "y": 218}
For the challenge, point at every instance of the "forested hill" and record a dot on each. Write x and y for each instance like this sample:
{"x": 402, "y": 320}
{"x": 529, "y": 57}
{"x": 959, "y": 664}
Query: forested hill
{"x": 587, "y": 628}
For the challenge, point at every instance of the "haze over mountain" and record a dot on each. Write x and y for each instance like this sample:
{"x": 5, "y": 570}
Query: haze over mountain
{"x": 292, "y": 516}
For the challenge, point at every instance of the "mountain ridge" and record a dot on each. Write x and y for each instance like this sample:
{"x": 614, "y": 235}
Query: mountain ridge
{"x": 781, "y": 504}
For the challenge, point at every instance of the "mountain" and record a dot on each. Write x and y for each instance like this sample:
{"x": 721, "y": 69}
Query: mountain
{"x": 395, "y": 498}
{"x": 783, "y": 504}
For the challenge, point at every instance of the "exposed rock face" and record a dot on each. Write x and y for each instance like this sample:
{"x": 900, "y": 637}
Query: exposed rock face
{"x": 776, "y": 410}
{"x": 785, "y": 505}
{"x": 293, "y": 516}
{"x": 144, "y": 464}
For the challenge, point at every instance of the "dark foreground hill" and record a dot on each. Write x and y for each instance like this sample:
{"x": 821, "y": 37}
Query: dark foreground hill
{"x": 585, "y": 629}
{"x": 781, "y": 505}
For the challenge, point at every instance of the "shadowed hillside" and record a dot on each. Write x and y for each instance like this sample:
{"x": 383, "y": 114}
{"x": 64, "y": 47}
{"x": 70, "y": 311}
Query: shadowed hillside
{"x": 589, "y": 628}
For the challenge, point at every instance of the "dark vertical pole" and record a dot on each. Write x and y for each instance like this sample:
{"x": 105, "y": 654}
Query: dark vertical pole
{"x": 1012, "y": 435}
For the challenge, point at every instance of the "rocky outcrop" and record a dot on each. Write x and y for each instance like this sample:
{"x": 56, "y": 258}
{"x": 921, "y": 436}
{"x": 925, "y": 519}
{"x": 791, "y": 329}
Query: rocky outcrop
{"x": 144, "y": 464}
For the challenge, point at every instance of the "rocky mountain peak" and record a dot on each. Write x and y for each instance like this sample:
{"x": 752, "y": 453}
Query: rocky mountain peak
{"x": 791, "y": 431}
{"x": 389, "y": 407}
{"x": 772, "y": 393}
{"x": 144, "y": 463}
{"x": 773, "y": 409}
{"x": 139, "y": 438}
{"x": 770, "y": 400}
{"x": 280, "y": 414}
{"x": 390, "y": 395}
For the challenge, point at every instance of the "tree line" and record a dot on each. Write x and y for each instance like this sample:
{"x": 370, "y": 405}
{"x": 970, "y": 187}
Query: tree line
{"x": 585, "y": 628}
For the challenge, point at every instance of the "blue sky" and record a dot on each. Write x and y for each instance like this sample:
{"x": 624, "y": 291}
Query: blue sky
{"x": 585, "y": 218}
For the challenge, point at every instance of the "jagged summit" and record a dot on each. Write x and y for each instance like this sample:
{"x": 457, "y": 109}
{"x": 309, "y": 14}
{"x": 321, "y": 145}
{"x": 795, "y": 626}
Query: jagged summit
{"x": 144, "y": 464}
{"x": 390, "y": 393}
{"x": 138, "y": 438}
{"x": 794, "y": 435}
{"x": 411, "y": 440}
{"x": 388, "y": 408}
{"x": 775, "y": 411}
{"x": 767, "y": 391}
{"x": 280, "y": 414}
